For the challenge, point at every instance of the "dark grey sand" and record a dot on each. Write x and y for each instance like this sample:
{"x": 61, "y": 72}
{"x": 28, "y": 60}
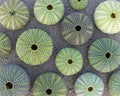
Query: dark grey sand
{"x": 59, "y": 43}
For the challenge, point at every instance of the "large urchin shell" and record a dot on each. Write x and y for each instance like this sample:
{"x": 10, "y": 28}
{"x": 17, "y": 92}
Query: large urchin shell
{"x": 89, "y": 84}
{"x": 114, "y": 84}
{"x": 104, "y": 54}
{"x": 107, "y": 16}
{"x": 34, "y": 46}
{"x": 14, "y": 80}
{"x": 49, "y": 84}
{"x": 5, "y": 45}
{"x": 48, "y": 12}
{"x": 77, "y": 28}
{"x": 78, "y": 4}
{"x": 69, "y": 61}
{"x": 14, "y": 14}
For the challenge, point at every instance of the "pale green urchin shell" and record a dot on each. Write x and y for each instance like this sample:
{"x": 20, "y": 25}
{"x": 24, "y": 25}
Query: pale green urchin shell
{"x": 89, "y": 84}
{"x": 107, "y": 16}
{"x": 114, "y": 84}
{"x": 104, "y": 54}
{"x": 49, "y": 84}
{"x": 48, "y": 12}
{"x": 5, "y": 45}
{"x": 77, "y": 28}
{"x": 14, "y": 80}
{"x": 69, "y": 61}
{"x": 14, "y": 14}
{"x": 78, "y": 4}
{"x": 34, "y": 46}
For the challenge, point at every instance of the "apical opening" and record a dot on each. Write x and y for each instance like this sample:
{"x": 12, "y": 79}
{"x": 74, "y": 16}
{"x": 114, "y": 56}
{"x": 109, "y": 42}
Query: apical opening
{"x": 90, "y": 89}
{"x": 49, "y": 7}
{"x": 34, "y": 47}
{"x": 78, "y": 28}
{"x": 113, "y": 15}
{"x": 79, "y": 0}
{"x": 49, "y": 91}
{"x": 108, "y": 55}
{"x": 12, "y": 13}
{"x": 70, "y": 61}
{"x": 9, "y": 85}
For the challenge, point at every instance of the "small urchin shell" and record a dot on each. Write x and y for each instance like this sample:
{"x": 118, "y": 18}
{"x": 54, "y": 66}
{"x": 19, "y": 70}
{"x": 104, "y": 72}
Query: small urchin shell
{"x": 14, "y": 80}
{"x": 77, "y": 28}
{"x": 104, "y": 54}
{"x": 78, "y": 4}
{"x": 5, "y": 45}
{"x": 69, "y": 61}
{"x": 114, "y": 84}
{"x": 89, "y": 84}
{"x": 49, "y": 84}
{"x": 48, "y": 12}
{"x": 107, "y": 16}
{"x": 34, "y": 46}
{"x": 14, "y": 14}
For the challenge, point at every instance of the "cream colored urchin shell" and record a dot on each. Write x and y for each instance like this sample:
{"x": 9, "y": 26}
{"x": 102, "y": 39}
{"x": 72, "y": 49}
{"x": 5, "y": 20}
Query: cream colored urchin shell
{"x": 48, "y": 12}
{"x": 107, "y": 16}
{"x": 14, "y": 14}
{"x": 49, "y": 84}
{"x": 89, "y": 84}
{"x": 34, "y": 46}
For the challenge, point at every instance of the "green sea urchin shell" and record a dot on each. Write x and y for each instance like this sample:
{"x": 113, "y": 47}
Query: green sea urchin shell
{"x": 14, "y": 81}
{"x": 34, "y": 46}
{"x": 49, "y": 12}
{"x": 14, "y": 14}
{"x": 77, "y": 28}
{"x": 89, "y": 84}
{"x": 5, "y": 45}
{"x": 78, "y": 4}
{"x": 107, "y": 16}
{"x": 49, "y": 84}
{"x": 104, "y": 55}
{"x": 114, "y": 84}
{"x": 69, "y": 61}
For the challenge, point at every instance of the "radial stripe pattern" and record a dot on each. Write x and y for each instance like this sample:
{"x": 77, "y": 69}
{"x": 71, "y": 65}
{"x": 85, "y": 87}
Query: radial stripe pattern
{"x": 69, "y": 61}
{"x": 14, "y": 14}
{"x": 114, "y": 84}
{"x": 107, "y": 16}
{"x": 14, "y": 80}
{"x": 104, "y": 54}
{"x": 77, "y": 28}
{"x": 34, "y": 46}
{"x": 49, "y": 12}
{"x": 89, "y": 84}
{"x": 49, "y": 84}
{"x": 5, "y": 45}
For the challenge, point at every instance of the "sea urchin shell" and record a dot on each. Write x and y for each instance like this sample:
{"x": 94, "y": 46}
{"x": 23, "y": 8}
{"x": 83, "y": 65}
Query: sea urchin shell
{"x": 69, "y": 61}
{"x": 34, "y": 46}
{"x": 14, "y": 14}
{"x": 104, "y": 54}
{"x": 77, "y": 28}
{"x": 107, "y": 16}
{"x": 49, "y": 84}
{"x": 89, "y": 84}
{"x": 48, "y": 12}
{"x": 14, "y": 81}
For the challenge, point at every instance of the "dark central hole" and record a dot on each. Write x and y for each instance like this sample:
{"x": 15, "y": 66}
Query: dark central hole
{"x": 70, "y": 61}
{"x": 113, "y": 15}
{"x": 79, "y": 0}
{"x": 90, "y": 89}
{"x": 9, "y": 85}
{"x": 12, "y": 13}
{"x": 34, "y": 47}
{"x": 49, "y": 91}
{"x": 108, "y": 55}
{"x": 78, "y": 28}
{"x": 49, "y": 7}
